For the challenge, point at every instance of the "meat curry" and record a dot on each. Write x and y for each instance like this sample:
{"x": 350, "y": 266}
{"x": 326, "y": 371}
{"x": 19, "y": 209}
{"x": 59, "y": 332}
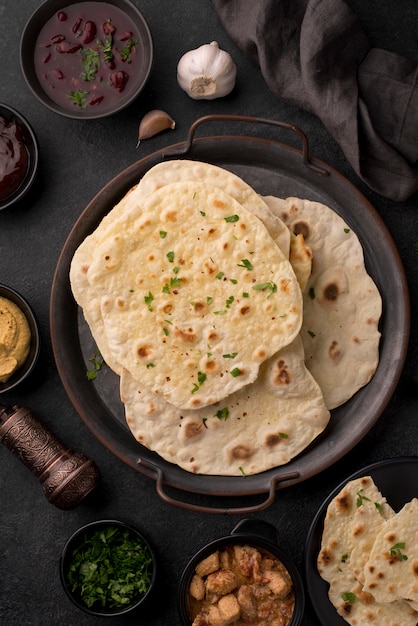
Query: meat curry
{"x": 241, "y": 585}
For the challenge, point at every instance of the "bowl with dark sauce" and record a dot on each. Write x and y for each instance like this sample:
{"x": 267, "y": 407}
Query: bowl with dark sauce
{"x": 86, "y": 60}
{"x": 19, "y": 156}
{"x": 242, "y": 578}
{"x": 108, "y": 568}
{"x": 19, "y": 339}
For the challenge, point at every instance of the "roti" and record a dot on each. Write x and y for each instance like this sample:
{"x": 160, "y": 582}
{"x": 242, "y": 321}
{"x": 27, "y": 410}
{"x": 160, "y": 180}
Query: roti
{"x": 261, "y": 426}
{"x": 341, "y": 304}
{"x": 369, "y": 556}
{"x": 158, "y": 176}
{"x": 194, "y": 294}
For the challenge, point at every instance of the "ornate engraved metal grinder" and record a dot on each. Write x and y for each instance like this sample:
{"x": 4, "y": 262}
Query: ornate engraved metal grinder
{"x": 66, "y": 476}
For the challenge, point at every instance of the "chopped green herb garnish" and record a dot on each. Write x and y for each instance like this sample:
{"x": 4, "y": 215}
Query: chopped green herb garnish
{"x": 232, "y": 218}
{"x": 90, "y": 63}
{"x": 311, "y": 333}
{"x": 170, "y": 256}
{"x": 201, "y": 377}
{"x": 245, "y": 294}
{"x": 220, "y": 275}
{"x": 229, "y": 301}
{"x": 163, "y": 234}
{"x": 235, "y": 372}
{"x": 150, "y": 365}
{"x": 379, "y": 507}
{"x": 232, "y": 355}
{"x": 175, "y": 282}
{"x": 344, "y": 558}
{"x": 246, "y": 263}
{"x": 222, "y": 414}
{"x": 396, "y": 551}
{"x": 125, "y": 53}
{"x": 79, "y": 98}
{"x": 110, "y": 568}
{"x": 271, "y": 287}
{"x": 241, "y": 469}
{"x": 348, "y": 597}
{"x": 176, "y": 270}
{"x": 361, "y": 498}
{"x": 195, "y": 388}
{"x": 284, "y": 435}
{"x": 233, "y": 281}
{"x": 166, "y": 288}
{"x": 148, "y": 300}
{"x": 346, "y": 230}
{"x": 166, "y": 331}
{"x": 97, "y": 363}
{"x": 209, "y": 299}
{"x": 202, "y": 213}
{"x": 221, "y": 312}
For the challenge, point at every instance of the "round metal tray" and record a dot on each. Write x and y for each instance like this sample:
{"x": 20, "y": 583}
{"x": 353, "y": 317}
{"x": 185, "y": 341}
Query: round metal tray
{"x": 272, "y": 168}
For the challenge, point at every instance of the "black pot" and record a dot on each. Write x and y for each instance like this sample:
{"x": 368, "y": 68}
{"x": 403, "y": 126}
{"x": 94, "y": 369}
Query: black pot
{"x": 259, "y": 534}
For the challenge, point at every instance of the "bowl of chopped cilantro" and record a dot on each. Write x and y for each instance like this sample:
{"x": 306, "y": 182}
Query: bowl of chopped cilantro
{"x": 108, "y": 568}
{"x": 84, "y": 59}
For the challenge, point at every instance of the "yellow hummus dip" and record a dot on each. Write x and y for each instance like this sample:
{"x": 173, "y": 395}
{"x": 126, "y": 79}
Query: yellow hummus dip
{"x": 14, "y": 338}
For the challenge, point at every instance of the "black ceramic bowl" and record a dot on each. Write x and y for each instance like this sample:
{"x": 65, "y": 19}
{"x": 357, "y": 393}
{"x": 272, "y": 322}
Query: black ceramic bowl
{"x": 123, "y": 530}
{"x": 25, "y": 170}
{"x": 27, "y": 367}
{"x": 256, "y": 533}
{"x": 60, "y": 87}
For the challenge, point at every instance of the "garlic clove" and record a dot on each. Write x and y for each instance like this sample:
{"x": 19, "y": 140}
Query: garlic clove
{"x": 206, "y": 72}
{"x": 154, "y": 122}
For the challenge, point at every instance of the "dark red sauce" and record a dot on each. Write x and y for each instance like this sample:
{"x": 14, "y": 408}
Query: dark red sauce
{"x": 86, "y": 56}
{"x": 13, "y": 158}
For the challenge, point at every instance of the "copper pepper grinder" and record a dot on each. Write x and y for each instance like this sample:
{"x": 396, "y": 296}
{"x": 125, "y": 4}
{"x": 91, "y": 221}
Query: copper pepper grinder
{"x": 66, "y": 476}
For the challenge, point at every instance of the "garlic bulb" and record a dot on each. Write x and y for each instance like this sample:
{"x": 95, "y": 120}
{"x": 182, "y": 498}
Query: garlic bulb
{"x": 206, "y": 72}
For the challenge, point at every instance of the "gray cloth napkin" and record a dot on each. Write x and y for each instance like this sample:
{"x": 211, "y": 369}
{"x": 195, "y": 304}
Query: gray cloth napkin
{"x": 314, "y": 55}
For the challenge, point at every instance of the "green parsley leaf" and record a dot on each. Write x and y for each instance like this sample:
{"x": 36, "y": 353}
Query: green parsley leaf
{"x": 232, "y": 355}
{"x": 229, "y": 301}
{"x": 232, "y": 218}
{"x": 271, "y": 287}
{"x": 150, "y": 365}
{"x": 222, "y": 414}
{"x": 90, "y": 63}
{"x": 201, "y": 377}
{"x": 396, "y": 551}
{"x": 220, "y": 275}
{"x": 284, "y": 435}
{"x": 170, "y": 256}
{"x": 246, "y": 263}
{"x": 148, "y": 300}
{"x": 235, "y": 372}
{"x": 209, "y": 299}
{"x": 79, "y": 98}
{"x": 97, "y": 363}
{"x": 125, "y": 53}
{"x": 361, "y": 498}
{"x": 348, "y": 597}
{"x": 163, "y": 234}
{"x": 245, "y": 294}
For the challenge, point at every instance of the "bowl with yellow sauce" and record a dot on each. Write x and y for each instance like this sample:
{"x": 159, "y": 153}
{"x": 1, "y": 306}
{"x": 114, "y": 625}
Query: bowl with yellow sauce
{"x": 242, "y": 578}
{"x": 19, "y": 339}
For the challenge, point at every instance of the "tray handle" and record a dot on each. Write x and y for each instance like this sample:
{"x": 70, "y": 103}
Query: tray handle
{"x": 184, "y": 149}
{"x": 215, "y": 510}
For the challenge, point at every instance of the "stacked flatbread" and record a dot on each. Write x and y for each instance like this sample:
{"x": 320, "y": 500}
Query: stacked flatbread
{"x": 369, "y": 557}
{"x": 194, "y": 290}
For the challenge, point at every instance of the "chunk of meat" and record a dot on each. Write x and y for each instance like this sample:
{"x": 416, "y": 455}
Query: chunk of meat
{"x": 248, "y": 561}
{"x": 208, "y": 565}
{"x": 197, "y": 587}
{"x": 229, "y": 609}
{"x": 246, "y": 602}
{"x": 221, "y": 582}
{"x": 279, "y": 584}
